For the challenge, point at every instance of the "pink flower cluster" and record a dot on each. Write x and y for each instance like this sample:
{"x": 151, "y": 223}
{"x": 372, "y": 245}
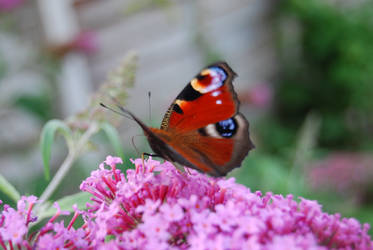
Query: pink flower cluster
{"x": 154, "y": 206}
{"x": 15, "y": 228}
{"x": 8, "y": 5}
{"x": 260, "y": 96}
{"x": 345, "y": 171}
{"x": 86, "y": 42}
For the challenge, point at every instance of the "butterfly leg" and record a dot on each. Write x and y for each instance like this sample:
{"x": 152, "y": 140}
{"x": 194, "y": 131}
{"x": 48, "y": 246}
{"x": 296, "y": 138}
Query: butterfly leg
{"x": 150, "y": 154}
{"x": 179, "y": 168}
{"x": 188, "y": 171}
{"x": 143, "y": 158}
{"x": 143, "y": 163}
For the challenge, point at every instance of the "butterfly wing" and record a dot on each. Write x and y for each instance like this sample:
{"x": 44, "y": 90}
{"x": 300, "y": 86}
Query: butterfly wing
{"x": 207, "y": 99}
{"x": 206, "y": 149}
{"x": 203, "y": 127}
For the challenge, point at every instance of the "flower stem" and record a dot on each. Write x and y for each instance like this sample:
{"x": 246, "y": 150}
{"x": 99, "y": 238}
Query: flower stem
{"x": 68, "y": 162}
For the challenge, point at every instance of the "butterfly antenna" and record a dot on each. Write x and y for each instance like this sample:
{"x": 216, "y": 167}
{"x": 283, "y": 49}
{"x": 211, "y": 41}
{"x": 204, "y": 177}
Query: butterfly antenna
{"x": 117, "y": 112}
{"x": 120, "y": 107}
{"x": 126, "y": 113}
{"x": 150, "y": 106}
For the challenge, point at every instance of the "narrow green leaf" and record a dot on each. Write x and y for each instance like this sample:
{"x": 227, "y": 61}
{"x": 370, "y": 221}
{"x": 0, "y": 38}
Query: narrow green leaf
{"x": 80, "y": 199}
{"x": 66, "y": 204}
{"x": 113, "y": 137}
{"x": 306, "y": 142}
{"x": 9, "y": 189}
{"x": 47, "y": 138}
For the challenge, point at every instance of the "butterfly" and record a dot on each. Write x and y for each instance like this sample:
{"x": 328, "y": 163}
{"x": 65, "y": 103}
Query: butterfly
{"x": 203, "y": 128}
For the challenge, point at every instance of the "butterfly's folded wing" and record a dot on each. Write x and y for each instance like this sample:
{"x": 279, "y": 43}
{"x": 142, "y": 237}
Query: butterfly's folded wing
{"x": 209, "y": 153}
{"x": 203, "y": 129}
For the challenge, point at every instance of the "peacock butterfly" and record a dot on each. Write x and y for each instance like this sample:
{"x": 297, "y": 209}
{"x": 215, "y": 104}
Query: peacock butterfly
{"x": 203, "y": 128}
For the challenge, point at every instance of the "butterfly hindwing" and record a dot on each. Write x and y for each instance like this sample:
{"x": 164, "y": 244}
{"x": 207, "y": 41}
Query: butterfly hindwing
{"x": 207, "y": 149}
{"x": 226, "y": 143}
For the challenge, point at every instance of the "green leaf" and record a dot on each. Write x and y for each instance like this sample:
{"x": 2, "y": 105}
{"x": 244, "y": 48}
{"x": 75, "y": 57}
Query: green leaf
{"x": 66, "y": 204}
{"x": 113, "y": 137}
{"x": 263, "y": 172}
{"x": 9, "y": 189}
{"x": 47, "y": 138}
{"x": 306, "y": 143}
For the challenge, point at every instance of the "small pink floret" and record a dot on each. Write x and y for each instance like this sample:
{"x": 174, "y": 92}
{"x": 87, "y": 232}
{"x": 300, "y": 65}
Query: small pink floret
{"x": 112, "y": 161}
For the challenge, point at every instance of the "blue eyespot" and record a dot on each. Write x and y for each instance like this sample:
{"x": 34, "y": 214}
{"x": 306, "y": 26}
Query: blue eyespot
{"x": 220, "y": 72}
{"x": 227, "y": 128}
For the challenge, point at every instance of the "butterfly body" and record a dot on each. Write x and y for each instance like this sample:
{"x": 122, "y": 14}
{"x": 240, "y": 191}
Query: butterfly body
{"x": 203, "y": 128}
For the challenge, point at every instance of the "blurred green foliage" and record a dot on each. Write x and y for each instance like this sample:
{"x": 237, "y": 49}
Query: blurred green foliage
{"x": 42, "y": 102}
{"x": 329, "y": 71}
{"x": 134, "y": 7}
{"x": 269, "y": 175}
{"x": 39, "y": 105}
{"x": 2, "y": 67}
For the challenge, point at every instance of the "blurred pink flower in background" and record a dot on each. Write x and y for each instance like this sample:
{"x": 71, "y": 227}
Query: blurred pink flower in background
{"x": 7, "y": 5}
{"x": 157, "y": 207}
{"x": 260, "y": 95}
{"x": 86, "y": 41}
{"x": 343, "y": 171}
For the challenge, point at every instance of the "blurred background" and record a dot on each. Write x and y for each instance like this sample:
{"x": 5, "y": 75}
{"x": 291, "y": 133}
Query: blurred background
{"x": 305, "y": 84}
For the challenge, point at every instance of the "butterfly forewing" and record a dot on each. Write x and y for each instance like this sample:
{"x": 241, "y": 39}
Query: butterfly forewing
{"x": 207, "y": 99}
